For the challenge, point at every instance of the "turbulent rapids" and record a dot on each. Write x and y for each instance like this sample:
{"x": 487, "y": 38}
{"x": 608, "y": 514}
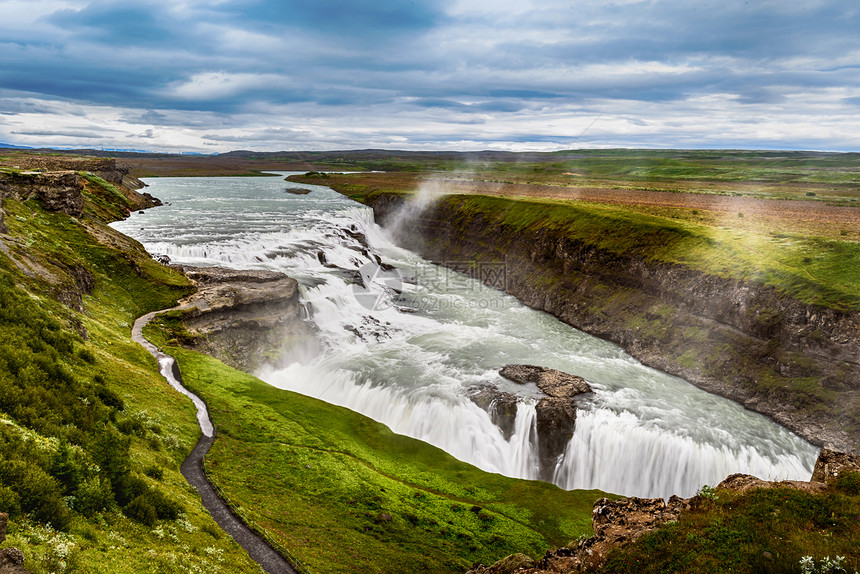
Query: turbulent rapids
{"x": 403, "y": 341}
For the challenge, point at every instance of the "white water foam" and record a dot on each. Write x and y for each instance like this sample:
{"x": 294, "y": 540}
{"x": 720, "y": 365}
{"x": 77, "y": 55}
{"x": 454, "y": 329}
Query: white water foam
{"x": 409, "y": 358}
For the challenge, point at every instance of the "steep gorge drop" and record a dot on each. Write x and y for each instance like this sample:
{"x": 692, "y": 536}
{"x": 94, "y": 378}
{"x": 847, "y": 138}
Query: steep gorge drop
{"x": 405, "y": 341}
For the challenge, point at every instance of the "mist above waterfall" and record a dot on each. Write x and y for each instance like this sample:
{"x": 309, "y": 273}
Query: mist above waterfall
{"x": 429, "y": 191}
{"x": 410, "y": 359}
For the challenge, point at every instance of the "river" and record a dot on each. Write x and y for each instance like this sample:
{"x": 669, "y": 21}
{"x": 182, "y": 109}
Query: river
{"x": 403, "y": 340}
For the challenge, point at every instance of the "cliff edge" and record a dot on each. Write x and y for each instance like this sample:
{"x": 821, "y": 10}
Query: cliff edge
{"x": 792, "y": 361}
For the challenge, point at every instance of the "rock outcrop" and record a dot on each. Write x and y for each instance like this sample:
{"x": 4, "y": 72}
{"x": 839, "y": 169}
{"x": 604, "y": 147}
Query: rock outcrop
{"x": 615, "y": 523}
{"x": 57, "y": 182}
{"x": 11, "y": 558}
{"x": 501, "y": 406}
{"x": 556, "y": 413}
{"x": 730, "y": 337}
{"x": 245, "y": 318}
{"x": 830, "y": 463}
{"x": 553, "y": 382}
{"x": 58, "y": 191}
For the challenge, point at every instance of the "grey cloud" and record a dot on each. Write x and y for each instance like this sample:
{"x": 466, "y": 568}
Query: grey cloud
{"x": 77, "y": 134}
{"x": 408, "y": 66}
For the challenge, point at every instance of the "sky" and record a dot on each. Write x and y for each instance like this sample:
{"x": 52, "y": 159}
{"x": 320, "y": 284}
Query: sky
{"x": 208, "y": 76}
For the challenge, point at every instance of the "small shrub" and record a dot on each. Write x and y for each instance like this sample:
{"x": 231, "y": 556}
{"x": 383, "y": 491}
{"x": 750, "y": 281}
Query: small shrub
{"x": 708, "y": 492}
{"x": 127, "y": 487}
{"x": 141, "y": 510}
{"x": 131, "y": 426}
{"x": 93, "y": 496}
{"x": 107, "y": 396}
{"x": 86, "y": 355}
{"x": 10, "y": 502}
{"x": 165, "y": 508}
{"x": 154, "y": 472}
{"x": 848, "y": 482}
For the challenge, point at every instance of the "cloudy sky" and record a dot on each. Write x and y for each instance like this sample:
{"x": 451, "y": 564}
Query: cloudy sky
{"x": 216, "y": 75}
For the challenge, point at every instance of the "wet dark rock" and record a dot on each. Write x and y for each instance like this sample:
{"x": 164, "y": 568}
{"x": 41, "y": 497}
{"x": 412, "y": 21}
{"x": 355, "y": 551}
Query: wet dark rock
{"x": 151, "y": 198}
{"x": 358, "y": 236}
{"x": 162, "y": 258}
{"x": 501, "y": 406}
{"x": 297, "y": 190}
{"x": 556, "y": 413}
{"x": 556, "y": 421}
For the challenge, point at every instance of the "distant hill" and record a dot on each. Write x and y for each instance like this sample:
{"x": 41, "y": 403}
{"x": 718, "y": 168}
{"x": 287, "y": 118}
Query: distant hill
{"x": 12, "y": 146}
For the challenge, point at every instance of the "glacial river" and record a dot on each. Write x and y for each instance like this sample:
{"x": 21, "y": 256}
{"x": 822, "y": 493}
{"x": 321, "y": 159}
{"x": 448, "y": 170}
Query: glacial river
{"x": 403, "y": 342}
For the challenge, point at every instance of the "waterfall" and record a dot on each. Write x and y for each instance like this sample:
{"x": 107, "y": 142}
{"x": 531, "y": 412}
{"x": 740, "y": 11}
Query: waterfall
{"x": 404, "y": 341}
{"x": 615, "y": 452}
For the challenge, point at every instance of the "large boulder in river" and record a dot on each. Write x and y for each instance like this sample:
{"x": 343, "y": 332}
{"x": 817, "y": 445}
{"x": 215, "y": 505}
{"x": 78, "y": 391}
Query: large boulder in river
{"x": 556, "y": 413}
{"x": 551, "y": 381}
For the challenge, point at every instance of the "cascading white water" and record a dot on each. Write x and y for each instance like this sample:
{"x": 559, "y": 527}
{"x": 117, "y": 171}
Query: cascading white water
{"x": 403, "y": 345}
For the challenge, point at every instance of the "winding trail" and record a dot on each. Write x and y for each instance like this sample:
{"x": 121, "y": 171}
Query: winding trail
{"x": 192, "y": 467}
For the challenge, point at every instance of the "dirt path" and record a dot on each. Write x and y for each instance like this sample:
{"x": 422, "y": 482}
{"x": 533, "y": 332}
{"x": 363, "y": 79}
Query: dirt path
{"x": 192, "y": 467}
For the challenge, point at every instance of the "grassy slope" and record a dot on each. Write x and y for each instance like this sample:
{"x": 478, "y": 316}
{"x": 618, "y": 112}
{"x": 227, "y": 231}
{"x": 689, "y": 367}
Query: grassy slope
{"x": 159, "y": 422}
{"x": 333, "y": 515}
{"x": 345, "y": 494}
{"x": 762, "y": 531}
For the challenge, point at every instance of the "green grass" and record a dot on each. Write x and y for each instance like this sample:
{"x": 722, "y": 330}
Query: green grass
{"x": 812, "y": 270}
{"x": 762, "y": 531}
{"x": 87, "y": 425}
{"x": 344, "y": 493}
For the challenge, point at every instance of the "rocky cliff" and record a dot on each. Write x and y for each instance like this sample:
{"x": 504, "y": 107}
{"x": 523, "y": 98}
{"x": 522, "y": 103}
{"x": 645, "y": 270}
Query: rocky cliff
{"x": 246, "y": 318}
{"x": 60, "y": 183}
{"x": 794, "y": 362}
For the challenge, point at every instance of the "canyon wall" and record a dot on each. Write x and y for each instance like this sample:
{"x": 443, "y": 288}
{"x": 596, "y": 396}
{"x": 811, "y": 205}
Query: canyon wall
{"x": 794, "y": 362}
